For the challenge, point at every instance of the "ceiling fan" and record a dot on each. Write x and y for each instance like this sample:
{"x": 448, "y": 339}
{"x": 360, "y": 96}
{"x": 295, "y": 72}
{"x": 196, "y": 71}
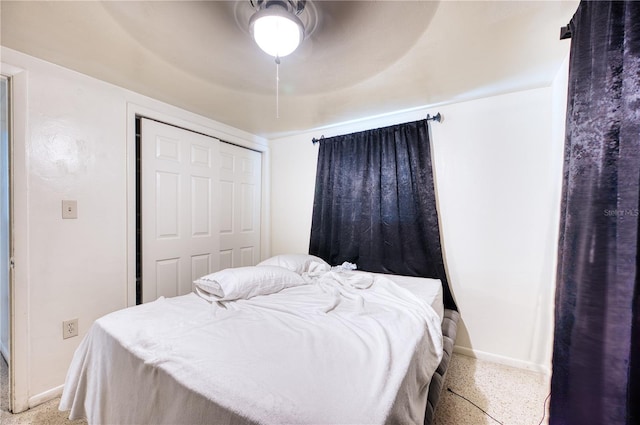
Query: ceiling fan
{"x": 279, "y": 26}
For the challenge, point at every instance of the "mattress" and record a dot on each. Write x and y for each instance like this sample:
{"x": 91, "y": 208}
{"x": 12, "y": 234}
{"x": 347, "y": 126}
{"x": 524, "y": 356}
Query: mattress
{"x": 327, "y": 353}
{"x": 427, "y": 289}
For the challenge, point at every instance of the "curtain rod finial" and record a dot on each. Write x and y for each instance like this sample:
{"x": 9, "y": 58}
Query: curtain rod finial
{"x": 438, "y": 117}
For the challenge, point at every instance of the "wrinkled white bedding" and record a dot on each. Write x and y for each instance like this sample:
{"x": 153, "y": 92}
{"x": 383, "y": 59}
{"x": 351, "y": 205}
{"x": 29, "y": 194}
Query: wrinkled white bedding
{"x": 348, "y": 348}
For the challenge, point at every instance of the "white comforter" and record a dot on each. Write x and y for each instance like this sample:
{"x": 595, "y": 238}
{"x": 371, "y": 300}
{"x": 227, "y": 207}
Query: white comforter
{"x": 344, "y": 349}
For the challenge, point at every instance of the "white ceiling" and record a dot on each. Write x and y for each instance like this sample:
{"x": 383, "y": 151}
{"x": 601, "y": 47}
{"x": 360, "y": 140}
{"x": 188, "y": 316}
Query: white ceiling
{"x": 364, "y": 58}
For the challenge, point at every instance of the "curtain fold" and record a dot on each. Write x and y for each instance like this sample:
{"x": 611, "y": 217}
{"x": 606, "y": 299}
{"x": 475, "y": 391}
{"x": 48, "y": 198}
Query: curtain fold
{"x": 375, "y": 203}
{"x": 595, "y": 351}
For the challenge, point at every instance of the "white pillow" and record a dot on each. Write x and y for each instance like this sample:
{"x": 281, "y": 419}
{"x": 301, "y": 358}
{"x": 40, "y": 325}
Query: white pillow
{"x": 245, "y": 282}
{"x": 299, "y": 263}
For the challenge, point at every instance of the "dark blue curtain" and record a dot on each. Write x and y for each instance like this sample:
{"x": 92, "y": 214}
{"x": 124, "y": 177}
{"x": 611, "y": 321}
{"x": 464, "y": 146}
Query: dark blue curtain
{"x": 375, "y": 203}
{"x": 595, "y": 352}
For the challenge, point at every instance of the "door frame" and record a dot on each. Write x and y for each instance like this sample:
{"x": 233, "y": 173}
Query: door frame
{"x": 191, "y": 122}
{"x": 6, "y": 313}
{"x": 19, "y": 218}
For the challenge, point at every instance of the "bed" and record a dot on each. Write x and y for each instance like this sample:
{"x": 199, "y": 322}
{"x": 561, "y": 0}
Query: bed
{"x": 291, "y": 340}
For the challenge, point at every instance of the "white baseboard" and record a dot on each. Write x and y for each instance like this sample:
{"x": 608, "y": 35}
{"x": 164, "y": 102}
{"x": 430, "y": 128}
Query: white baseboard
{"x": 507, "y": 361}
{"x": 45, "y": 396}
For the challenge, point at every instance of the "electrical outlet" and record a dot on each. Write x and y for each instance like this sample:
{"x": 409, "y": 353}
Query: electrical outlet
{"x": 69, "y": 328}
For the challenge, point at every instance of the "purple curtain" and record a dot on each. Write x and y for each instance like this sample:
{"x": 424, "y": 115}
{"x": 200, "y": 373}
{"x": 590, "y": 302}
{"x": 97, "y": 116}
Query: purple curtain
{"x": 595, "y": 351}
{"x": 375, "y": 203}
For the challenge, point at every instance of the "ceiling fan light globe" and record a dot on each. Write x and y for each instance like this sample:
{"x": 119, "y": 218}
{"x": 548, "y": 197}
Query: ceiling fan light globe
{"x": 277, "y": 32}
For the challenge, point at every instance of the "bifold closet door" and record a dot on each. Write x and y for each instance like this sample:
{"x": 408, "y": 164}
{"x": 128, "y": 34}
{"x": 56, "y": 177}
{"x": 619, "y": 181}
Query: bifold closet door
{"x": 179, "y": 191}
{"x": 200, "y": 208}
{"x": 239, "y": 206}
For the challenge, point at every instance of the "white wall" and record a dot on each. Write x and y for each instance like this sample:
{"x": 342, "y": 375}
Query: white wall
{"x": 74, "y": 141}
{"x": 497, "y": 180}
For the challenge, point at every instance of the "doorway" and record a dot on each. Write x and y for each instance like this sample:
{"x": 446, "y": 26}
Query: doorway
{"x": 5, "y": 246}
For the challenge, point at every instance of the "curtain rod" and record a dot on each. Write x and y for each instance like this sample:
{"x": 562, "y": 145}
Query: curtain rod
{"x": 436, "y": 117}
{"x": 565, "y": 32}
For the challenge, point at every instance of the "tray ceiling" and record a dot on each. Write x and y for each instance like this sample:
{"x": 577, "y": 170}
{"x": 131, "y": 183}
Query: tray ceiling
{"x": 364, "y": 58}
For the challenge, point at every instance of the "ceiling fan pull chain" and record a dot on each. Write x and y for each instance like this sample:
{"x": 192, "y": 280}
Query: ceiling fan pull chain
{"x": 277, "y": 87}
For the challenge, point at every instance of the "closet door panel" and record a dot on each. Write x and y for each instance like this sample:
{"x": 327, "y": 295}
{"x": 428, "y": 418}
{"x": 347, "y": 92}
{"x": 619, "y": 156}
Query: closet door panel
{"x": 179, "y": 178}
{"x": 241, "y": 183}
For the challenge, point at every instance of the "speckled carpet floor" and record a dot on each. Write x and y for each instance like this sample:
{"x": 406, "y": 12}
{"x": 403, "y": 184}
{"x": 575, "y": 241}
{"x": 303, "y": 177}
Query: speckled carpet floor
{"x": 511, "y": 396}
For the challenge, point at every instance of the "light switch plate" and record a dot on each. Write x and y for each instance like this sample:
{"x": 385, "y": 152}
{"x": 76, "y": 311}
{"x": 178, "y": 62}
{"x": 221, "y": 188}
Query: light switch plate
{"x": 69, "y": 209}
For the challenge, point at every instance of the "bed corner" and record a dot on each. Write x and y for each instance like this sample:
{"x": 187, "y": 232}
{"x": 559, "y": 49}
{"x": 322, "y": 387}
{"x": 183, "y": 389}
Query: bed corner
{"x": 449, "y": 331}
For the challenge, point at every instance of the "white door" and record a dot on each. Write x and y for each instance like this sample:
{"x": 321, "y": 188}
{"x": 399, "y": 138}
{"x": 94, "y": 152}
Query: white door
{"x": 239, "y": 206}
{"x": 200, "y": 208}
{"x": 179, "y": 173}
